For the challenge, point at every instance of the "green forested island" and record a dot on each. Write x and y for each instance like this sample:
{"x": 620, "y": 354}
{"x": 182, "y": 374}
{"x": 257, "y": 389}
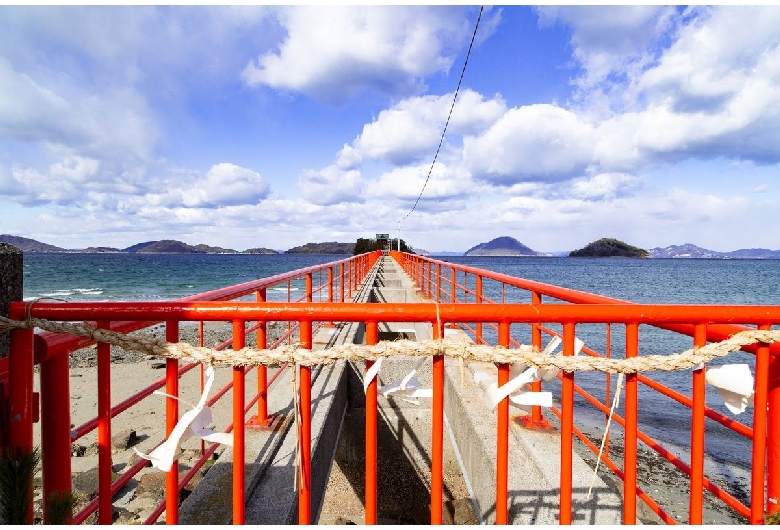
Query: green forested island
{"x": 609, "y": 248}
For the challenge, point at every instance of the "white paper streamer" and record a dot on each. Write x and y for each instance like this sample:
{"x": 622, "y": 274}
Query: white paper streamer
{"x": 195, "y": 421}
{"x": 408, "y": 387}
{"x": 518, "y": 379}
{"x": 734, "y": 383}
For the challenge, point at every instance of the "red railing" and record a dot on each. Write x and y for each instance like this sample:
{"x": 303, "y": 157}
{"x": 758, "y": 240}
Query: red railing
{"x": 479, "y": 315}
{"x": 50, "y": 351}
{"x": 447, "y": 282}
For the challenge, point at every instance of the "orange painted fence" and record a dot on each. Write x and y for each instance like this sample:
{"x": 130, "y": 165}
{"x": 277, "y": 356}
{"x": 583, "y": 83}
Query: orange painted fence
{"x": 335, "y": 282}
{"x": 460, "y": 302}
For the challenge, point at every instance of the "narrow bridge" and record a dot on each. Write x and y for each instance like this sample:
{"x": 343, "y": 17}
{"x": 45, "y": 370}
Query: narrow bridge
{"x": 427, "y": 438}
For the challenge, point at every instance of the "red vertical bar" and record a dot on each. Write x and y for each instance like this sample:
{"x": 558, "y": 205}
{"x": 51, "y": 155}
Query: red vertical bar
{"x": 20, "y": 399}
{"x": 478, "y": 327}
{"x": 502, "y": 436}
{"x": 758, "y": 469}
{"x": 341, "y": 282}
{"x": 372, "y": 334}
{"x": 105, "y": 507}
{"x": 202, "y": 371}
{"x": 438, "y": 283}
{"x": 55, "y": 425}
{"x": 239, "y": 431}
{"x": 630, "y": 446}
{"x": 773, "y": 436}
{"x": 696, "y": 505}
{"x": 262, "y": 370}
{"x": 437, "y": 433}
{"x": 567, "y": 430}
{"x": 171, "y": 419}
{"x": 536, "y": 341}
{"x": 304, "y": 479}
{"x": 453, "y": 295}
{"x": 330, "y": 288}
{"x": 608, "y": 393}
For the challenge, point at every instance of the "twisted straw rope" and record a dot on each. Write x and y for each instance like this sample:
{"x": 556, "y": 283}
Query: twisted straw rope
{"x": 459, "y": 349}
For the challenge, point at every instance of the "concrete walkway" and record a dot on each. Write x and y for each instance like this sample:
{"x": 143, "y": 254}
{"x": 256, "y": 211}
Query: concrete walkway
{"x": 404, "y": 436}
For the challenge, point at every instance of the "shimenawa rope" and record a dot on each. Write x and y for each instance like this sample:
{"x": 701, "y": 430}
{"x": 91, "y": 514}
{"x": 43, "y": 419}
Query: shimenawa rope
{"x": 459, "y": 349}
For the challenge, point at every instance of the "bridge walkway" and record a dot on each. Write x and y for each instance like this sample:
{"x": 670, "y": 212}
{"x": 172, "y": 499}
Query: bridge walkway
{"x": 338, "y": 408}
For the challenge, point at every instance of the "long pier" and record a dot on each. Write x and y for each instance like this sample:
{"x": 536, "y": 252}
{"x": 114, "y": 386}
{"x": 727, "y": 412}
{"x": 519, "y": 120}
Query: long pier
{"x": 338, "y": 437}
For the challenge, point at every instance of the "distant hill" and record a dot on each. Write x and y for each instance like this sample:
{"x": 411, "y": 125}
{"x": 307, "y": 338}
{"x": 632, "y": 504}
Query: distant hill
{"x": 260, "y": 250}
{"x": 609, "y": 248}
{"x": 692, "y": 251}
{"x": 685, "y": 251}
{"x": 100, "y": 250}
{"x": 502, "y": 246}
{"x": 323, "y": 248}
{"x": 171, "y": 246}
{"x": 29, "y": 245}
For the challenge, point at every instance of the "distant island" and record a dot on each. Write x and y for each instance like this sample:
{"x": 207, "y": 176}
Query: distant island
{"x": 502, "y": 246}
{"x": 165, "y": 246}
{"x": 323, "y": 248}
{"x": 609, "y": 248}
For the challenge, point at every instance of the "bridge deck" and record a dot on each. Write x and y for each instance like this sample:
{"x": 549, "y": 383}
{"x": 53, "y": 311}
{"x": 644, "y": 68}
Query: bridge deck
{"x": 338, "y": 408}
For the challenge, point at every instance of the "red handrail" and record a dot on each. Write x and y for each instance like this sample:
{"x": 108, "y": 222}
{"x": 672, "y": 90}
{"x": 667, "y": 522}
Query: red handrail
{"x": 703, "y": 322}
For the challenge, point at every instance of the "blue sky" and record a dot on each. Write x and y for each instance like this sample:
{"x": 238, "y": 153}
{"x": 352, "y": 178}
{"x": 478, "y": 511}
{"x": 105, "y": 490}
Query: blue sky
{"x": 274, "y": 126}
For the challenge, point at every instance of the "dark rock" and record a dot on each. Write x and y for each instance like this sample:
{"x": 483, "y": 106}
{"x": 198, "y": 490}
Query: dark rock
{"x": 85, "y": 485}
{"x": 123, "y": 440}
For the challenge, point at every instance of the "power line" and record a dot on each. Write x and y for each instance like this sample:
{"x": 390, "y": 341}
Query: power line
{"x": 441, "y": 140}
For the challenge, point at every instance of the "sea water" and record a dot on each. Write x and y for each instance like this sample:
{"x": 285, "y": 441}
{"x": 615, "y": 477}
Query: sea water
{"x": 120, "y": 277}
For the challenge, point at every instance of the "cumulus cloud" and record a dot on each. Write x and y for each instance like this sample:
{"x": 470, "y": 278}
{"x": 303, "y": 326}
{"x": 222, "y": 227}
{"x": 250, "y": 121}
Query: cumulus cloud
{"x": 225, "y": 184}
{"x": 610, "y": 40}
{"x": 331, "y": 185}
{"x": 535, "y": 142}
{"x": 606, "y": 186}
{"x": 332, "y": 53}
{"x": 405, "y": 183}
{"x": 411, "y": 129}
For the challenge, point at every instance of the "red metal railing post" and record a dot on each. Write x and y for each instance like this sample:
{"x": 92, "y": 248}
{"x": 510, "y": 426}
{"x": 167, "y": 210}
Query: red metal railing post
{"x": 372, "y": 335}
{"x": 239, "y": 432}
{"x": 567, "y": 430}
{"x": 262, "y": 371}
{"x": 438, "y": 282}
{"x": 536, "y": 341}
{"x": 773, "y": 436}
{"x": 304, "y": 439}
{"x": 105, "y": 510}
{"x": 55, "y": 425}
{"x": 478, "y": 326}
{"x": 502, "y": 435}
{"x": 341, "y": 283}
{"x": 453, "y": 285}
{"x": 20, "y": 399}
{"x": 630, "y": 430}
{"x": 437, "y": 433}
{"x": 696, "y": 504}
{"x": 758, "y": 469}
{"x": 171, "y": 419}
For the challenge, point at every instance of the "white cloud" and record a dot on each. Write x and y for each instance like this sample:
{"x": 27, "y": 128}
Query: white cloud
{"x": 605, "y": 186}
{"x": 411, "y": 130}
{"x": 331, "y": 53}
{"x": 610, "y": 40}
{"x": 535, "y": 142}
{"x": 406, "y": 183}
{"x": 331, "y": 185}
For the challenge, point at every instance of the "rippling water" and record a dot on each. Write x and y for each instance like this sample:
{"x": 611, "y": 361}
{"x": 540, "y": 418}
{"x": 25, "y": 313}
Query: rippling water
{"x": 115, "y": 277}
